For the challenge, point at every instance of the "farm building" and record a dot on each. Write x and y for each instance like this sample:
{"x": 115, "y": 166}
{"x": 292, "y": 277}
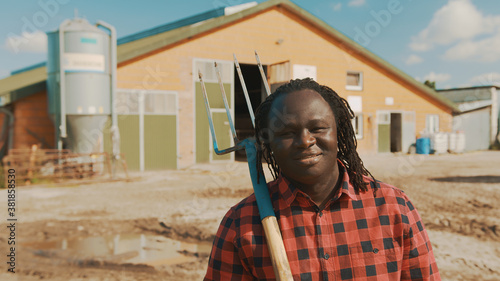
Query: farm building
{"x": 161, "y": 114}
{"x": 479, "y": 115}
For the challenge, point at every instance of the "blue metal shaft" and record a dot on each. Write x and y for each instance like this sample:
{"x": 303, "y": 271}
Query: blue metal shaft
{"x": 260, "y": 188}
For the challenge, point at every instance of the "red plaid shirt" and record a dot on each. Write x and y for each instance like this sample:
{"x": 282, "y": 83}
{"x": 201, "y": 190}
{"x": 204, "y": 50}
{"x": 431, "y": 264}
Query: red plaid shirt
{"x": 357, "y": 236}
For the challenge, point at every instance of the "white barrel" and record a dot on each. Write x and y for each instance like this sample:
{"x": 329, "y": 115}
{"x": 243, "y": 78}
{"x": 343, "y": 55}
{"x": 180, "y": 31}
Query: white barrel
{"x": 440, "y": 143}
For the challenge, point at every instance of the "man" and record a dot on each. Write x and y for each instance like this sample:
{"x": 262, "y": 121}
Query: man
{"x": 337, "y": 222}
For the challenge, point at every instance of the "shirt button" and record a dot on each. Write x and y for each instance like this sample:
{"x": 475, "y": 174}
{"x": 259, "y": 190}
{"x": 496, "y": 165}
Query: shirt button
{"x": 327, "y": 256}
{"x": 320, "y": 214}
{"x": 375, "y": 250}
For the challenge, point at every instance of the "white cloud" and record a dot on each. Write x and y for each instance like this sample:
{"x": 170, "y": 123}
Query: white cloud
{"x": 336, "y": 6}
{"x": 437, "y": 77}
{"x": 356, "y": 3}
{"x": 27, "y": 42}
{"x": 485, "y": 79}
{"x": 413, "y": 59}
{"x": 456, "y": 21}
{"x": 485, "y": 50}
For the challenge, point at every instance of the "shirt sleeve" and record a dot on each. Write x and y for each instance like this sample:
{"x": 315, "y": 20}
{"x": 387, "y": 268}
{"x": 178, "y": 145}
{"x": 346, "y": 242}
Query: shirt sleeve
{"x": 224, "y": 262}
{"x": 418, "y": 258}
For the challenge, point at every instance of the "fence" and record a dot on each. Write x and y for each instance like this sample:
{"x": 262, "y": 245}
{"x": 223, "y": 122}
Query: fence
{"x": 52, "y": 165}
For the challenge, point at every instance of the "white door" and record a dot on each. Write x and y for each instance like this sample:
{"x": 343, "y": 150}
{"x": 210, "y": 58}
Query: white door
{"x": 409, "y": 129}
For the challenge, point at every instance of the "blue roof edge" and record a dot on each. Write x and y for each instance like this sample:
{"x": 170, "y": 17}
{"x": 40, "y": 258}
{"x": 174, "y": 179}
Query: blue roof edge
{"x": 469, "y": 87}
{"x": 173, "y": 25}
{"x": 28, "y": 68}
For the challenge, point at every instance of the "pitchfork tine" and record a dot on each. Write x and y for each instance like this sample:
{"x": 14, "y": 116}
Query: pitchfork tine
{"x": 228, "y": 111}
{"x": 245, "y": 91}
{"x": 237, "y": 146}
{"x": 207, "y": 107}
{"x": 264, "y": 77}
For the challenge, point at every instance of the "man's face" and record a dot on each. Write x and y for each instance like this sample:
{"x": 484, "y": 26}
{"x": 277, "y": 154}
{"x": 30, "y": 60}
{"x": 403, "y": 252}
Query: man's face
{"x": 303, "y": 136}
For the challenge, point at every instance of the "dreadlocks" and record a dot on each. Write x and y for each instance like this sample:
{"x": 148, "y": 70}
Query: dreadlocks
{"x": 346, "y": 138}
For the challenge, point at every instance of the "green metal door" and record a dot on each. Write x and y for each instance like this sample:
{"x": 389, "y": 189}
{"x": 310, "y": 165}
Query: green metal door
{"x": 160, "y": 142}
{"x": 129, "y": 140}
{"x": 223, "y": 133}
{"x": 147, "y": 121}
{"x": 384, "y": 131}
{"x": 384, "y": 138}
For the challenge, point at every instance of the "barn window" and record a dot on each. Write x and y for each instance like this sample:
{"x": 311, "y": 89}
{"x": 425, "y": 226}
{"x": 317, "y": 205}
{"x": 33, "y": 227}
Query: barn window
{"x": 129, "y": 101}
{"x": 357, "y": 125}
{"x": 432, "y": 123}
{"x": 354, "y": 81}
{"x": 160, "y": 103}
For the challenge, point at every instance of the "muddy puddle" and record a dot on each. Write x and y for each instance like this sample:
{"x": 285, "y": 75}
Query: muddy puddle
{"x": 130, "y": 248}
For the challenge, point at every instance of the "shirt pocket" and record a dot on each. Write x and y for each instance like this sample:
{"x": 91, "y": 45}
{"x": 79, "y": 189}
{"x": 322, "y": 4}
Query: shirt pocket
{"x": 376, "y": 260}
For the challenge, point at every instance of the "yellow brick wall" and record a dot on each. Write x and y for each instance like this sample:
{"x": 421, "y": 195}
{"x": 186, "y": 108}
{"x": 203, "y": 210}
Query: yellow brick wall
{"x": 172, "y": 67}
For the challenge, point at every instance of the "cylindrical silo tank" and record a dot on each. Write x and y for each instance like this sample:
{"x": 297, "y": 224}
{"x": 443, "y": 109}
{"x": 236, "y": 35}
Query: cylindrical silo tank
{"x": 80, "y": 78}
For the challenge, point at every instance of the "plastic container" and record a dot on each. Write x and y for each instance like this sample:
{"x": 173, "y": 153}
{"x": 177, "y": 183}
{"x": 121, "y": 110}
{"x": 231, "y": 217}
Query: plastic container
{"x": 423, "y": 145}
{"x": 457, "y": 142}
{"x": 439, "y": 143}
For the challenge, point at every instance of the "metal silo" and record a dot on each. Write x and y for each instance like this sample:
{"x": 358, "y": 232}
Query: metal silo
{"x": 81, "y": 83}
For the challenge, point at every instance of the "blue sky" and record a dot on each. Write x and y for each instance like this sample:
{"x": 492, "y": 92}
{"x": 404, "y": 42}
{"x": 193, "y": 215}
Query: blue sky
{"x": 453, "y": 42}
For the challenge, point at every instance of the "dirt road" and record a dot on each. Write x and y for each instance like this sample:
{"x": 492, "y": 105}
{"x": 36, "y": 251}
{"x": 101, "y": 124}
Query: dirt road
{"x": 132, "y": 225}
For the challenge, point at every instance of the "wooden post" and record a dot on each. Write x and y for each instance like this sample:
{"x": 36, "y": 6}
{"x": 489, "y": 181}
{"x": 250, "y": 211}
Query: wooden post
{"x": 32, "y": 161}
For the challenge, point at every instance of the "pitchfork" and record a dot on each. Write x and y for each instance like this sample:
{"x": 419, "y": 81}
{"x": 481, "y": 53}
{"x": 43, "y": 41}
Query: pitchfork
{"x": 270, "y": 224}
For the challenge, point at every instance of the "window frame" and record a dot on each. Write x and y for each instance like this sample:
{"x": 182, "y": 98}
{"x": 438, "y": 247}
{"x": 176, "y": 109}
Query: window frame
{"x": 432, "y": 118}
{"x": 358, "y": 130}
{"x": 133, "y": 102}
{"x": 358, "y": 87}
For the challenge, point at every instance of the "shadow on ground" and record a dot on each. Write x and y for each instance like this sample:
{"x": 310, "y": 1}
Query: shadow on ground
{"x": 470, "y": 179}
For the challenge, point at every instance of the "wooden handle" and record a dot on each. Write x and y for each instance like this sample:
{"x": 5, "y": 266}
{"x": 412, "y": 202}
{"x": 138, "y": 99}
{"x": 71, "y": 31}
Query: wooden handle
{"x": 271, "y": 228}
{"x": 277, "y": 249}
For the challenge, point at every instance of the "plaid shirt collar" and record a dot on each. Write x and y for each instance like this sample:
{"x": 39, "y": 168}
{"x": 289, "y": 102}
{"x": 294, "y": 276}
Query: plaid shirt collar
{"x": 289, "y": 192}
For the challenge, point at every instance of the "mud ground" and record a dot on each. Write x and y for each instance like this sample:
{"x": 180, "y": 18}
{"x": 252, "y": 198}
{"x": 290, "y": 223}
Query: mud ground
{"x": 456, "y": 195}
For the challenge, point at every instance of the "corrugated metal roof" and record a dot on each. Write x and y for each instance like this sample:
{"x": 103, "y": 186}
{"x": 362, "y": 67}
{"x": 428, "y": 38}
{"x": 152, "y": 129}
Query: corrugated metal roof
{"x": 148, "y": 41}
{"x": 11, "y": 85}
{"x": 470, "y": 87}
{"x": 460, "y": 95}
